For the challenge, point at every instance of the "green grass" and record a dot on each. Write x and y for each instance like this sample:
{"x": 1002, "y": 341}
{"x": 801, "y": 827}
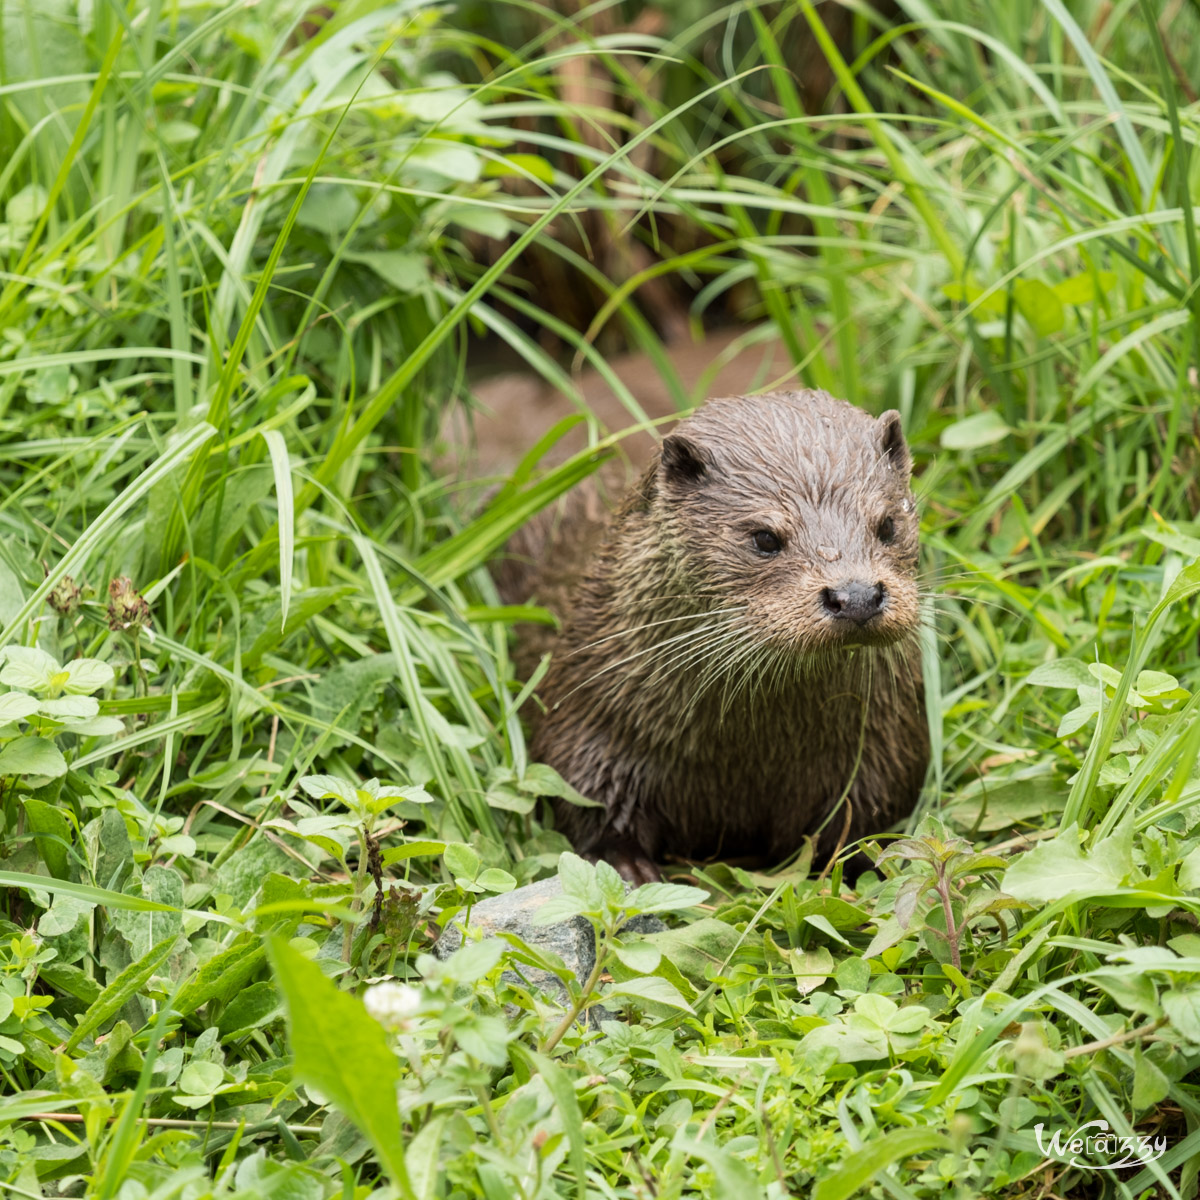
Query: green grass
{"x": 240, "y": 274}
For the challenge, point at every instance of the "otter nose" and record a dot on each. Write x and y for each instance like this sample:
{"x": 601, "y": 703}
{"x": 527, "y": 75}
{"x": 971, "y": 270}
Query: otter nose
{"x": 854, "y": 600}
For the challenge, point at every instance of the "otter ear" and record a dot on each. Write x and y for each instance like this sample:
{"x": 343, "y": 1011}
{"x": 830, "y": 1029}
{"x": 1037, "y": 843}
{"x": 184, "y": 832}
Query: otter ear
{"x": 889, "y": 436}
{"x": 683, "y": 460}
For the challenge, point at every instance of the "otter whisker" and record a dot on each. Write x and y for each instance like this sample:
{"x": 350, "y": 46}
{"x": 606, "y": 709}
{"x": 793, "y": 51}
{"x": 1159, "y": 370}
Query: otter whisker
{"x": 657, "y": 647}
{"x": 635, "y": 629}
{"x": 708, "y": 655}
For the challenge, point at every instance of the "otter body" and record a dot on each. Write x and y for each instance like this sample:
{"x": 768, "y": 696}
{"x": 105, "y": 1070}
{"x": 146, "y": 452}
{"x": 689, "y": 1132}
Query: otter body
{"x": 738, "y": 666}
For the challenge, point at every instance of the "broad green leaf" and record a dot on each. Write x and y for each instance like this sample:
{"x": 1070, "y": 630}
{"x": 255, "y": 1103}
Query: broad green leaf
{"x": 344, "y": 1054}
{"x": 1061, "y": 673}
{"x": 404, "y": 271}
{"x": 1039, "y": 305}
{"x": 1081, "y": 289}
{"x": 559, "y": 1085}
{"x": 867, "y": 1161}
{"x": 697, "y": 947}
{"x": 29, "y": 668}
{"x": 53, "y": 834}
{"x": 642, "y": 957}
{"x": 201, "y": 1078}
{"x": 31, "y": 755}
{"x": 126, "y": 985}
{"x": 473, "y": 960}
{"x": 979, "y": 429}
{"x": 462, "y": 860}
{"x": 251, "y": 1008}
{"x": 16, "y": 706}
{"x": 423, "y": 1158}
{"x": 1150, "y": 1085}
{"x": 84, "y": 707}
{"x": 222, "y": 977}
{"x": 651, "y": 990}
{"x": 87, "y": 675}
{"x": 1060, "y": 868}
{"x": 324, "y": 787}
{"x": 664, "y": 897}
{"x": 542, "y": 780}
{"x": 1182, "y": 1006}
{"x": 418, "y": 849}
{"x": 496, "y": 880}
{"x": 62, "y": 916}
{"x": 522, "y": 165}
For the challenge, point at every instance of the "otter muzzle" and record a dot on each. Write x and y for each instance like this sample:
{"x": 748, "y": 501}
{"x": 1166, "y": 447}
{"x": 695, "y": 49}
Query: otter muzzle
{"x": 854, "y": 601}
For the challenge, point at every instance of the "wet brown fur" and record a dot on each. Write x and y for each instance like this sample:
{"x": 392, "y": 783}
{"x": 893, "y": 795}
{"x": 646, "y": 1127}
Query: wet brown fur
{"x": 699, "y": 690}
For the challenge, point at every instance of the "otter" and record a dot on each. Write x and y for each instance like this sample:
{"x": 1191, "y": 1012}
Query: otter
{"x": 738, "y": 666}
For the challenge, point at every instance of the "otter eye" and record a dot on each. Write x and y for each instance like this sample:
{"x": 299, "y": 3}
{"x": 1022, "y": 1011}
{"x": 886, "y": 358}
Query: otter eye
{"x": 886, "y": 532}
{"x": 765, "y": 542}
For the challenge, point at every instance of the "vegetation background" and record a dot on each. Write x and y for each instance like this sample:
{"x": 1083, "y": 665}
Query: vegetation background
{"x": 260, "y": 734}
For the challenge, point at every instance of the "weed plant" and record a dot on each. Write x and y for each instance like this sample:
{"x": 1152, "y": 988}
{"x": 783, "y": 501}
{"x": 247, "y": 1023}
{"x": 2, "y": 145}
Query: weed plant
{"x": 260, "y": 735}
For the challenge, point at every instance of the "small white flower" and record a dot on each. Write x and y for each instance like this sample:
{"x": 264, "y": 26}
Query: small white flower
{"x": 393, "y": 1005}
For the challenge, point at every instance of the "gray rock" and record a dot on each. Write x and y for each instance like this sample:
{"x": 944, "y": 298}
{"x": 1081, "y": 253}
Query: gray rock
{"x": 572, "y": 939}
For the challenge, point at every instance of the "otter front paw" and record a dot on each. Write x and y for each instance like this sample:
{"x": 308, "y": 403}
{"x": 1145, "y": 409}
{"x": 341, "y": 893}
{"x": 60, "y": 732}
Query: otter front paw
{"x": 627, "y": 858}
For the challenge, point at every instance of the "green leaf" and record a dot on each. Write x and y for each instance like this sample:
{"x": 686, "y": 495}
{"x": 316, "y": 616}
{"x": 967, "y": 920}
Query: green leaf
{"x": 16, "y": 706}
{"x": 1150, "y": 1085}
{"x": 490, "y": 222}
{"x": 496, "y": 880}
{"x": 30, "y": 755}
{"x": 52, "y": 832}
{"x": 1081, "y": 289}
{"x": 1155, "y": 683}
{"x": 418, "y": 849}
{"x": 28, "y": 668}
{"x": 1039, "y": 305}
{"x": 344, "y": 1054}
{"x": 867, "y": 1161}
{"x": 126, "y": 985}
{"x": 81, "y": 891}
{"x": 1182, "y": 1006}
{"x": 558, "y": 1084}
{"x": 732, "y": 1178}
{"x": 664, "y": 897}
{"x": 980, "y": 429}
{"x": 462, "y": 860}
{"x": 222, "y": 977}
{"x": 542, "y": 780}
{"x": 87, "y": 675}
{"x": 326, "y": 787}
{"x": 404, "y": 271}
{"x": 652, "y": 990}
{"x": 423, "y": 1158}
{"x": 252, "y": 1008}
{"x": 1061, "y": 673}
{"x": 522, "y": 165}
{"x": 1059, "y": 868}
{"x": 696, "y": 947}
{"x": 64, "y": 707}
{"x": 62, "y": 916}
{"x": 642, "y": 957}
{"x": 473, "y": 960}
{"x": 201, "y": 1078}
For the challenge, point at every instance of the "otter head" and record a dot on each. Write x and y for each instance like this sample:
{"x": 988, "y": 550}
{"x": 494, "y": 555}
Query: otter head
{"x": 798, "y": 507}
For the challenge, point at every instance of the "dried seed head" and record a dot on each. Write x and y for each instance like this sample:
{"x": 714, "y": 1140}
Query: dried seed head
{"x": 66, "y": 597}
{"x": 128, "y": 611}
